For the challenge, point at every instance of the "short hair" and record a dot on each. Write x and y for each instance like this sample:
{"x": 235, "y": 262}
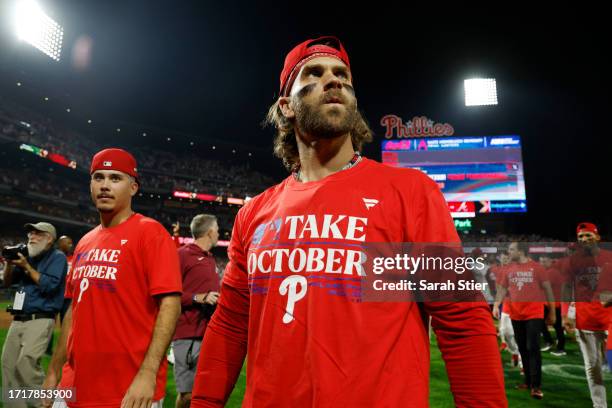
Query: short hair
{"x": 200, "y": 224}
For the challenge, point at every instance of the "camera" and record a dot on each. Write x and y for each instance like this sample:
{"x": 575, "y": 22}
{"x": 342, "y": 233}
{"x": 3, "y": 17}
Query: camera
{"x": 11, "y": 252}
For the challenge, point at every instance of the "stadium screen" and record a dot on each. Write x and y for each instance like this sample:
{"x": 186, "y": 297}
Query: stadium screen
{"x": 486, "y": 171}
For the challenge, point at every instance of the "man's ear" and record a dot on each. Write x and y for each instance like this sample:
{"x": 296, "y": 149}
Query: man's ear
{"x": 134, "y": 189}
{"x": 284, "y": 102}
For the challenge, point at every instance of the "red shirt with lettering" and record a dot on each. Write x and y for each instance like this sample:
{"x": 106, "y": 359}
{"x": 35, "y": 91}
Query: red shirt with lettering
{"x": 290, "y": 301}
{"x": 590, "y": 275}
{"x": 115, "y": 276}
{"x": 524, "y": 284}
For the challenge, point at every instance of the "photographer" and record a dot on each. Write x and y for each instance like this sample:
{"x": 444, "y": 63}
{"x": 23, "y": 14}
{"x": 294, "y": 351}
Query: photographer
{"x": 200, "y": 293}
{"x": 40, "y": 272}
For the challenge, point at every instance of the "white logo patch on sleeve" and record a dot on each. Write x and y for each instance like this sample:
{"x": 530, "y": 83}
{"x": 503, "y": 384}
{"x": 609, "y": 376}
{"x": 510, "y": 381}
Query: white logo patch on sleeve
{"x": 369, "y": 202}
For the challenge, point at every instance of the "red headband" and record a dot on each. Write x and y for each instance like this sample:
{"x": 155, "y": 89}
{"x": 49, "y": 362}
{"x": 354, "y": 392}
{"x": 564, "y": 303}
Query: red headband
{"x": 586, "y": 227}
{"x": 298, "y": 56}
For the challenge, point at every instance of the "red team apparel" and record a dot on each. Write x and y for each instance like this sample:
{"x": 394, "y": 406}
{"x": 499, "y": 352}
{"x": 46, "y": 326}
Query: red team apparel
{"x": 590, "y": 275}
{"x": 115, "y": 275}
{"x": 524, "y": 284}
{"x": 288, "y": 301}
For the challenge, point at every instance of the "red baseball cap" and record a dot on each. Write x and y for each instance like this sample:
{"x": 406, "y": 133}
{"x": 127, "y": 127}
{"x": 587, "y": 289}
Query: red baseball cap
{"x": 302, "y": 53}
{"x": 114, "y": 159}
{"x": 587, "y": 227}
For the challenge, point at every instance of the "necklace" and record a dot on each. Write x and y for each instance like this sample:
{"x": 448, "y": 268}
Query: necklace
{"x": 356, "y": 159}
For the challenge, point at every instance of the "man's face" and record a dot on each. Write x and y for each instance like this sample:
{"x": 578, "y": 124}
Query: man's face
{"x": 38, "y": 241}
{"x": 504, "y": 259}
{"x": 65, "y": 245}
{"x": 213, "y": 233}
{"x": 112, "y": 191}
{"x": 322, "y": 99}
{"x": 513, "y": 252}
{"x": 545, "y": 261}
{"x": 587, "y": 238}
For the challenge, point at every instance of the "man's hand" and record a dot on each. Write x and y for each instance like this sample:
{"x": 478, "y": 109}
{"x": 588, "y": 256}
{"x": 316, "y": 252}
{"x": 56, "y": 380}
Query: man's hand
{"x": 141, "y": 391}
{"x": 176, "y": 229}
{"x": 22, "y": 262}
{"x": 551, "y": 319}
{"x": 211, "y": 298}
{"x": 569, "y": 324}
{"x": 50, "y": 383}
{"x": 496, "y": 311}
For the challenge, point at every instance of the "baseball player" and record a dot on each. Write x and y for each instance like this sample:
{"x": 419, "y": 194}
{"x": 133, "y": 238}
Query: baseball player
{"x": 526, "y": 282}
{"x": 125, "y": 286}
{"x": 288, "y": 294}
{"x": 587, "y": 273}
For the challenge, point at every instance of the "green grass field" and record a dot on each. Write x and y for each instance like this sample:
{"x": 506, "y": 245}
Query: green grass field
{"x": 564, "y": 382}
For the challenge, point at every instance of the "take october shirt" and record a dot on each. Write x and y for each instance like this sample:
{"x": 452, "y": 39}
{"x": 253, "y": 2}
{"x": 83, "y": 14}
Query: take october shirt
{"x": 311, "y": 340}
{"x": 524, "y": 284}
{"x": 115, "y": 275}
{"x": 590, "y": 275}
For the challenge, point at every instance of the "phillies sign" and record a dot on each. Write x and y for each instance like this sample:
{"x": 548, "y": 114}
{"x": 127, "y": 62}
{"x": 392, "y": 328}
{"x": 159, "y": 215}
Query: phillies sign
{"x": 419, "y": 126}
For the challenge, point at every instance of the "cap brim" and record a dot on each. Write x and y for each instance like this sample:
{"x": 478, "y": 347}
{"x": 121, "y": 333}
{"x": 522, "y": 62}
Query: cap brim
{"x": 30, "y": 227}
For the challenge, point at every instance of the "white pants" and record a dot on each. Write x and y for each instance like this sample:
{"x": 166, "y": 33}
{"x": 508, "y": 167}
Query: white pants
{"x": 60, "y": 403}
{"x": 507, "y": 333}
{"x": 591, "y": 345}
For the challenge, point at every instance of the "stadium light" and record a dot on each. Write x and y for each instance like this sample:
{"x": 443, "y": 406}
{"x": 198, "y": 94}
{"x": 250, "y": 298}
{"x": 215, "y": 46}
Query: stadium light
{"x": 36, "y": 28}
{"x": 480, "y": 91}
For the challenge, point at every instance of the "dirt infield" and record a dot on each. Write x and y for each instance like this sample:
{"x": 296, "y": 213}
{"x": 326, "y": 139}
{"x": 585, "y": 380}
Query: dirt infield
{"x": 5, "y": 319}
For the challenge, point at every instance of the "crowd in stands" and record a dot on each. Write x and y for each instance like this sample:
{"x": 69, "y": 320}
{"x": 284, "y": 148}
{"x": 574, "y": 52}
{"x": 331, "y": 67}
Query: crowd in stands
{"x": 159, "y": 169}
{"x": 475, "y": 236}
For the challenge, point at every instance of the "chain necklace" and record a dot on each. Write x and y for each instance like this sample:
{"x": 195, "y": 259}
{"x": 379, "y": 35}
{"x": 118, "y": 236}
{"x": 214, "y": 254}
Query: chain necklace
{"x": 356, "y": 159}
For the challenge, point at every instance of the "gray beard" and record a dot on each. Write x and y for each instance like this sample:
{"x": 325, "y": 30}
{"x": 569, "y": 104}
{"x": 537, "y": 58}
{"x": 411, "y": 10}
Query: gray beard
{"x": 36, "y": 249}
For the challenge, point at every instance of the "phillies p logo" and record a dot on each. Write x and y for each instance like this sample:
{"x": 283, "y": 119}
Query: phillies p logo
{"x": 289, "y": 287}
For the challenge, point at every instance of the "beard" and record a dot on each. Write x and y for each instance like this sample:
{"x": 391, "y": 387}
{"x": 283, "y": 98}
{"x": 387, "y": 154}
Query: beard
{"x": 36, "y": 249}
{"x": 321, "y": 121}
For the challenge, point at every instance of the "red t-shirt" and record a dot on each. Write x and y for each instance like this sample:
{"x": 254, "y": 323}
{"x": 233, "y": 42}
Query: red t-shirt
{"x": 286, "y": 301}
{"x": 589, "y": 275}
{"x": 556, "y": 279}
{"x": 115, "y": 275}
{"x": 524, "y": 284}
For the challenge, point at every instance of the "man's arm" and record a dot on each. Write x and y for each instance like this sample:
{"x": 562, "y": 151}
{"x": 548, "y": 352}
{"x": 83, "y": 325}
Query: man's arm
{"x": 58, "y": 359}
{"x": 223, "y": 349}
{"x": 567, "y": 295}
{"x": 225, "y": 340}
{"x": 8, "y": 274}
{"x": 51, "y": 279}
{"x": 465, "y": 332}
{"x": 499, "y": 298}
{"x": 550, "y": 298}
{"x": 142, "y": 389}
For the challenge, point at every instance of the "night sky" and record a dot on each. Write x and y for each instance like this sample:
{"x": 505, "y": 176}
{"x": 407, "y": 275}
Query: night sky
{"x": 207, "y": 71}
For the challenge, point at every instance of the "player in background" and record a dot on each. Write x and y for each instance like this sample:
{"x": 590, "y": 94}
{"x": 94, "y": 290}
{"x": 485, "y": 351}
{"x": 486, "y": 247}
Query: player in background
{"x": 587, "y": 273}
{"x": 506, "y": 331}
{"x": 556, "y": 281}
{"x": 125, "y": 284}
{"x": 290, "y": 294}
{"x": 527, "y": 285}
